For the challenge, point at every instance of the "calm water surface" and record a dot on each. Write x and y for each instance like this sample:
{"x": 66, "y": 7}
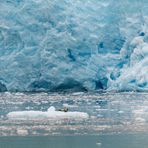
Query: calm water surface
{"x": 103, "y": 141}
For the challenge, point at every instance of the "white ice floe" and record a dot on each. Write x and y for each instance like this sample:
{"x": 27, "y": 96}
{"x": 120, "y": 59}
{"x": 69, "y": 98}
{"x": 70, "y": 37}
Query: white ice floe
{"x": 51, "y": 113}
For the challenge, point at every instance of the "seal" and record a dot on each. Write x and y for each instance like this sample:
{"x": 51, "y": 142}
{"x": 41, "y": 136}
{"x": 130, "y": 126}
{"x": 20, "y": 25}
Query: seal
{"x": 65, "y": 109}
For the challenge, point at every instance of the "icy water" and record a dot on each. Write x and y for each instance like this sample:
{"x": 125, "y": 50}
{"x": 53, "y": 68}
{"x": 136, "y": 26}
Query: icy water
{"x": 115, "y": 120}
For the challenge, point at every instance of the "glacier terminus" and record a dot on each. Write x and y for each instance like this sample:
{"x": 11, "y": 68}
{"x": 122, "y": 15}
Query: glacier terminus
{"x": 81, "y": 45}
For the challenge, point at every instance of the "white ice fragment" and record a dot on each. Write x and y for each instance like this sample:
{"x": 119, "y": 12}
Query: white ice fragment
{"x": 121, "y": 112}
{"x": 140, "y": 120}
{"x": 98, "y": 144}
{"x": 51, "y": 109}
{"x": 22, "y": 132}
{"x": 69, "y": 106}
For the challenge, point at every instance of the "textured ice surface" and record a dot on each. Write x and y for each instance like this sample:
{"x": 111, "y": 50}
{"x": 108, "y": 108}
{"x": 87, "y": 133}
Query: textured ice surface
{"x": 79, "y": 45}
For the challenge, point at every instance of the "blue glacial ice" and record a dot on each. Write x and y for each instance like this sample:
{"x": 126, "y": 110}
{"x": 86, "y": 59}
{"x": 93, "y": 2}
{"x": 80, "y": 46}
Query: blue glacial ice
{"x": 80, "y": 45}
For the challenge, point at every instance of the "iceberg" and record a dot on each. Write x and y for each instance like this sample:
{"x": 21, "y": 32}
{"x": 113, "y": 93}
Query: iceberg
{"x": 81, "y": 45}
{"x": 51, "y": 114}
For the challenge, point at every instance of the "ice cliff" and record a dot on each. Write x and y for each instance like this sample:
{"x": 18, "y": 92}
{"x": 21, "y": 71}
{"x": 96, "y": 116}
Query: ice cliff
{"x": 57, "y": 45}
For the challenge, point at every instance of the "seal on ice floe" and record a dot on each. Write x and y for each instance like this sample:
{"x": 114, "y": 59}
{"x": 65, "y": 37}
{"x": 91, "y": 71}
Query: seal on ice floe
{"x": 51, "y": 113}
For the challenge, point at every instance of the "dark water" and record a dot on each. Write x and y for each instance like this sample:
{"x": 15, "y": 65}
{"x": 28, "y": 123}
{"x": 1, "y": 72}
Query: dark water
{"x": 102, "y": 141}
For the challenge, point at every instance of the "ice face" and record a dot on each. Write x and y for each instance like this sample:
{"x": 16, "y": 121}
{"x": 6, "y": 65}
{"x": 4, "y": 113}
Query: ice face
{"x": 134, "y": 75}
{"x": 73, "y": 45}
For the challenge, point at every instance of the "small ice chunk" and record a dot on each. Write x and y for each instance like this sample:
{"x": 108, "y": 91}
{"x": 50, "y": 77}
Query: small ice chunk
{"x": 121, "y": 112}
{"x": 139, "y": 119}
{"x": 22, "y": 132}
{"x": 50, "y": 109}
{"x": 98, "y": 144}
{"x": 69, "y": 106}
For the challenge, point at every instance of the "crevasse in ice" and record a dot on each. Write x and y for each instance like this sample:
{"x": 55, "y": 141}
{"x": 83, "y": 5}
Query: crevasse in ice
{"x": 73, "y": 44}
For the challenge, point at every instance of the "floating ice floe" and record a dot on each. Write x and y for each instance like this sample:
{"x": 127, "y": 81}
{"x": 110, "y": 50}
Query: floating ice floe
{"x": 51, "y": 113}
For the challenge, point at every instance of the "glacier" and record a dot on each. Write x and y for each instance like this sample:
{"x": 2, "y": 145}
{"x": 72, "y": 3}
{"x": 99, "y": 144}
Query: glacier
{"x": 79, "y": 45}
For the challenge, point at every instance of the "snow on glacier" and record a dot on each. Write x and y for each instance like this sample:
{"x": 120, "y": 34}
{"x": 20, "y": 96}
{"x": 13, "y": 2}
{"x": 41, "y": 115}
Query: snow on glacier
{"x": 79, "y": 45}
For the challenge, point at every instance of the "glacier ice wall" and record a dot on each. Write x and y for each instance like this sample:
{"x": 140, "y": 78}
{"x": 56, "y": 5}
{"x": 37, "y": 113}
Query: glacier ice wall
{"x": 73, "y": 44}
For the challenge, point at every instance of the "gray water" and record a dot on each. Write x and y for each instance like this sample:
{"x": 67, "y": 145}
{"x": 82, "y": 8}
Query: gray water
{"x": 102, "y": 141}
{"x": 115, "y": 120}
